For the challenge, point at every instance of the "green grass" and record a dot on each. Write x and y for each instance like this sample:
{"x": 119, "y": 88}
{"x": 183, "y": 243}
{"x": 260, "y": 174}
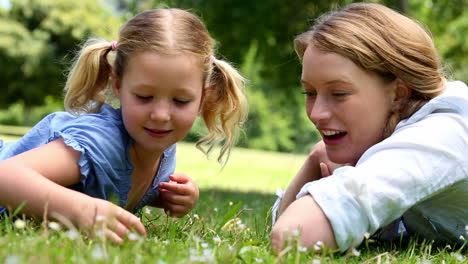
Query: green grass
{"x": 230, "y": 224}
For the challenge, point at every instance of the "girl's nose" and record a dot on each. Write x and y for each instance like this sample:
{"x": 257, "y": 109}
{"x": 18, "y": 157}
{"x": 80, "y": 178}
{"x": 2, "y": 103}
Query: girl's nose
{"x": 160, "y": 112}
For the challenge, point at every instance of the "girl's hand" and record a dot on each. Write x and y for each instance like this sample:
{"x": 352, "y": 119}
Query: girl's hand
{"x": 113, "y": 221}
{"x": 178, "y": 196}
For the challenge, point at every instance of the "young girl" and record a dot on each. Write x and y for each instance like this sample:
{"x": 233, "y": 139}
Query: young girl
{"x": 376, "y": 93}
{"x": 164, "y": 74}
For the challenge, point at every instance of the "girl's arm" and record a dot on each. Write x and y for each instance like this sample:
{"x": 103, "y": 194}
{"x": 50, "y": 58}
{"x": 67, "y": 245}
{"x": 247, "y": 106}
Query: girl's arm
{"x": 38, "y": 177}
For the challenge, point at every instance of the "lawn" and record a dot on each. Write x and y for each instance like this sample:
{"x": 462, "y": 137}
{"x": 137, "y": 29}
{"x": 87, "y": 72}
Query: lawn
{"x": 230, "y": 224}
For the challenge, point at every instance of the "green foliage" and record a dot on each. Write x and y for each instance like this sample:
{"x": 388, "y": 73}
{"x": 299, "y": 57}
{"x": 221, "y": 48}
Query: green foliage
{"x": 36, "y": 39}
{"x": 448, "y": 22}
{"x": 19, "y": 115}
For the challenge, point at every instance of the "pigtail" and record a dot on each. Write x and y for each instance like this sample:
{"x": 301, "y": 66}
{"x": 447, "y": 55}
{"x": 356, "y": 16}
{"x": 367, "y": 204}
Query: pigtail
{"x": 88, "y": 78}
{"x": 224, "y": 108}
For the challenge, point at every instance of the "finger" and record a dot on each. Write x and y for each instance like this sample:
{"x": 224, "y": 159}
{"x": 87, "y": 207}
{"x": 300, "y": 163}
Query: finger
{"x": 175, "y": 198}
{"x": 112, "y": 236}
{"x": 182, "y": 189}
{"x": 324, "y": 170}
{"x": 120, "y": 229}
{"x": 179, "y": 178}
{"x": 131, "y": 222}
{"x": 175, "y": 210}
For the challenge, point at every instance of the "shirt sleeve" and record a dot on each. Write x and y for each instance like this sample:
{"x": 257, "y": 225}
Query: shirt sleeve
{"x": 415, "y": 163}
{"x": 103, "y": 160}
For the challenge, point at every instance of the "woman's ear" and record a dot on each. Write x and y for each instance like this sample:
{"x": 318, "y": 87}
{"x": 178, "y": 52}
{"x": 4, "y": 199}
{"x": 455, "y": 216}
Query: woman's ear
{"x": 401, "y": 91}
{"x": 116, "y": 84}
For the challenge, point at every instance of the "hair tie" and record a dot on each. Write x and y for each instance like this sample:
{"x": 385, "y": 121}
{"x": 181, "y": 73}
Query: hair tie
{"x": 114, "y": 45}
{"x": 212, "y": 59}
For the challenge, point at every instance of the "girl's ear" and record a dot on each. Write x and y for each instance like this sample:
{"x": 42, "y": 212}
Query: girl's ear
{"x": 116, "y": 84}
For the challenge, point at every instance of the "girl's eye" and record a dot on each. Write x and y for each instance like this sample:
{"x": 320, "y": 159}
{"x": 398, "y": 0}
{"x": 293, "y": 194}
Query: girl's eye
{"x": 181, "y": 101}
{"x": 143, "y": 98}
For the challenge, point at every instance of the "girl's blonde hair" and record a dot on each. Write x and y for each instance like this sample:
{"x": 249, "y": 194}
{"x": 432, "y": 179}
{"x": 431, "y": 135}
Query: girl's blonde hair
{"x": 167, "y": 31}
{"x": 383, "y": 41}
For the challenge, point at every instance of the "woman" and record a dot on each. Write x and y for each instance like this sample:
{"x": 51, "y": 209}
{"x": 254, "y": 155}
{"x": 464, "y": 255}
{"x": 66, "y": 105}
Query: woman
{"x": 376, "y": 92}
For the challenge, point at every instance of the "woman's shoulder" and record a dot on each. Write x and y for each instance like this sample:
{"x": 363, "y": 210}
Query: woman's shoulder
{"x": 454, "y": 100}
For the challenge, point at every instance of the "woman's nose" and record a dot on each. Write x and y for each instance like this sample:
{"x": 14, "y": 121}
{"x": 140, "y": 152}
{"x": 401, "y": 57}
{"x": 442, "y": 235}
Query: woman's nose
{"x": 319, "y": 110}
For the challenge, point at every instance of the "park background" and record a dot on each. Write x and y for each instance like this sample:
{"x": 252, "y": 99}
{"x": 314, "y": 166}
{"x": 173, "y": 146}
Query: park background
{"x": 39, "y": 39}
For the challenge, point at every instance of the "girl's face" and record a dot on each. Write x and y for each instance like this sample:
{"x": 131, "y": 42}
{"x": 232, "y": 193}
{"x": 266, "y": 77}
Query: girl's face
{"x": 160, "y": 96}
{"x": 348, "y": 105}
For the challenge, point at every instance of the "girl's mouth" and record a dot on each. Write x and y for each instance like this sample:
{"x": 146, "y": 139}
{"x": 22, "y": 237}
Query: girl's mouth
{"x": 157, "y": 133}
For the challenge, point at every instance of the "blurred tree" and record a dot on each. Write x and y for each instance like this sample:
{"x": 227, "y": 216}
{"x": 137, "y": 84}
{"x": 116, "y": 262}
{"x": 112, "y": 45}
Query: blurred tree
{"x": 36, "y": 37}
{"x": 448, "y": 22}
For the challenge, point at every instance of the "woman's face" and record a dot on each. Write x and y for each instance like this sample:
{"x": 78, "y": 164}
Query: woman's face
{"x": 348, "y": 105}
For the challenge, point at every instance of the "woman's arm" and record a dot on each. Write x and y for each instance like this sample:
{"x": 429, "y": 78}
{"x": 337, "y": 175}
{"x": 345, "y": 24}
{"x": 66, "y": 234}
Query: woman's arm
{"x": 38, "y": 177}
{"x": 305, "y": 216}
{"x": 310, "y": 171}
{"x": 316, "y": 166}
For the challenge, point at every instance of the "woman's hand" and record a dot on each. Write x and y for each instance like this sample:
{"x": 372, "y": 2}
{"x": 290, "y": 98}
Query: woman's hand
{"x": 113, "y": 221}
{"x": 179, "y": 196}
{"x": 319, "y": 155}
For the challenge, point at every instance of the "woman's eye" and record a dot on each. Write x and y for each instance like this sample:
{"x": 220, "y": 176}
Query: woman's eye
{"x": 309, "y": 93}
{"x": 339, "y": 94}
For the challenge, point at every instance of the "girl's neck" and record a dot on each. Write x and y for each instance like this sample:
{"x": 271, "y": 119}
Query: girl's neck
{"x": 142, "y": 158}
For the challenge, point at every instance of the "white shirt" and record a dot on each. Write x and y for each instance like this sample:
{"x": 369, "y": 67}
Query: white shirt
{"x": 420, "y": 172}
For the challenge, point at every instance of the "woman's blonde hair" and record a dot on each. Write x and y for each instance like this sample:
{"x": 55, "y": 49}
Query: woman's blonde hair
{"x": 383, "y": 41}
{"x": 168, "y": 31}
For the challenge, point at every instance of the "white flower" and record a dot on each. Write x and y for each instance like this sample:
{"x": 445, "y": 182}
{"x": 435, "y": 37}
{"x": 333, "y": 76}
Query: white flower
{"x": 13, "y": 259}
{"x": 366, "y": 235}
{"x": 459, "y": 256}
{"x": 98, "y": 253}
{"x": 72, "y": 234}
{"x": 216, "y": 239}
{"x": 317, "y": 247}
{"x": 204, "y": 245}
{"x": 20, "y": 224}
{"x": 258, "y": 260}
{"x": 215, "y": 209}
{"x": 462, "y": 238}
{"x": 54, "y": 226}
{"x": 133, "y": 236}
{"x": 466, "y": 229}
{"x": 302, "y": 249}
{"x": 166, "y": 242}
{"x": 147, "y": 210}
{"x": 99, "y": 234}
{"x": 295, "y": 232}
{"x": 316, "y": 261}
{"x": 355, "y": 252}
{"x": 241, "y": 226}
{"x": 196, "y": 216}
